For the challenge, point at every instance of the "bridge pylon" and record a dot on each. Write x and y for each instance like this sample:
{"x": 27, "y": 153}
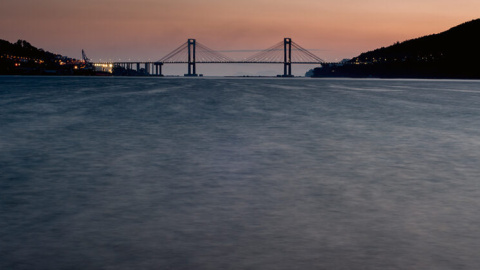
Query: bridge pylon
{"x": 192, "y": 68}
{"x": 287, "y": 52}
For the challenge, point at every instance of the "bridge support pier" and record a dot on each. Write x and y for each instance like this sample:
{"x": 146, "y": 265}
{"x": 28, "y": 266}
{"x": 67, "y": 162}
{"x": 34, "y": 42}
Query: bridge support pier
{"x": 192, "y": 69}
{"x": 287, "y": 63}
{"x": 158, "y": 69}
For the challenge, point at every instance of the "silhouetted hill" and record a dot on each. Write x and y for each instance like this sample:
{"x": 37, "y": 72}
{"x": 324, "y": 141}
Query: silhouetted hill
{"x": 24, "y": 49}
{"x": 23, "y": 58}
{"x": 450, "y": 54}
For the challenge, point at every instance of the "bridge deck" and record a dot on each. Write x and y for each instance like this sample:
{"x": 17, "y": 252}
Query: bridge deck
{"x": 191, "y": 53}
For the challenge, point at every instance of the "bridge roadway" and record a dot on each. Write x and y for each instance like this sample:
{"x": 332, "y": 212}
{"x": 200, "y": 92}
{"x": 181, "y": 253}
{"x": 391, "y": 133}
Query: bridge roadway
{"x": 187, "y": 53}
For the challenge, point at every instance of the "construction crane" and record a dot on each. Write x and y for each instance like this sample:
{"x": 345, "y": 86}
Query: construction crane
{"x": 85, "y": 58}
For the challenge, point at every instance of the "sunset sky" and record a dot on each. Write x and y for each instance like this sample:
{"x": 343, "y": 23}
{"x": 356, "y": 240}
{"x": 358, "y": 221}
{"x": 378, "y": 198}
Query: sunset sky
{"x": 149, "y": 29}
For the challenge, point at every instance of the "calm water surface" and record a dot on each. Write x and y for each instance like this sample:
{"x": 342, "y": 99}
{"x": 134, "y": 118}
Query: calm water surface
{"x": 225, "y": 173}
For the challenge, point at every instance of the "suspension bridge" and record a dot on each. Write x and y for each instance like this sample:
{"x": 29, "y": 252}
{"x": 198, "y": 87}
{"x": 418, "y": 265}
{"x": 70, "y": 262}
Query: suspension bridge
{"x": 192, "y": 53}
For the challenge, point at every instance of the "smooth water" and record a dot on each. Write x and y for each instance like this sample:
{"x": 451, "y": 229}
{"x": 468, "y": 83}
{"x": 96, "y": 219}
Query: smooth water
{"x": 226, "y": 173}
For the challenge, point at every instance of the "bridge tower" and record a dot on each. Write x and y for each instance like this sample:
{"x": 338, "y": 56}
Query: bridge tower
{"x": 192, "y": 69}
{"x": 287, "y": 63}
